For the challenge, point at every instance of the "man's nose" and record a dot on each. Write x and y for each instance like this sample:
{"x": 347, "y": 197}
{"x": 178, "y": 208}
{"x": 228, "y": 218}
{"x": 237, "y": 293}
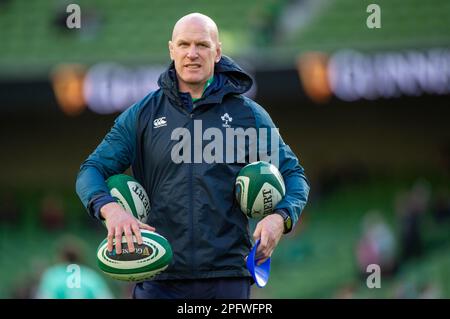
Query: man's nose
{"x": 192, "y": 53}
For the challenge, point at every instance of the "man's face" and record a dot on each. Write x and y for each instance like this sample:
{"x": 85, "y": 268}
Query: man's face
{"x": 194, "y": 51}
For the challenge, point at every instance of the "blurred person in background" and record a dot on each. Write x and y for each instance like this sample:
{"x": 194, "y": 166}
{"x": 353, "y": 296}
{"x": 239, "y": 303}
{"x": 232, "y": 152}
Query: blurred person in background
{"x": 411, "y": 206}
{"x": 70, "y": 277}
{"x": 192, "y": 203}
{"x": 52, "y": 214}
{"x": 377, "y": 245}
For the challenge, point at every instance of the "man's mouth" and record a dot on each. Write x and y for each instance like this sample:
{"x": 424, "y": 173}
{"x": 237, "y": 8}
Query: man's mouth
{"x": 192, "y": 66}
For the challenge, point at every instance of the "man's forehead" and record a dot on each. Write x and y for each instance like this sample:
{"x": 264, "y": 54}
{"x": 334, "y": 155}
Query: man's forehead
{"x": 195, "y": 27}
{"x": 193, "y": 36}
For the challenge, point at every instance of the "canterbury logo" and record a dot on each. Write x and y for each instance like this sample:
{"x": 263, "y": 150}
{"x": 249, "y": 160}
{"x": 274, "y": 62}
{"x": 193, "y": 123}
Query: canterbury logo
{"x": 159, "y": 122}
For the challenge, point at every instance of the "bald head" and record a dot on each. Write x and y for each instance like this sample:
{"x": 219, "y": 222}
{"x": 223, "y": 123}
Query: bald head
{"x": 196, "y": 20}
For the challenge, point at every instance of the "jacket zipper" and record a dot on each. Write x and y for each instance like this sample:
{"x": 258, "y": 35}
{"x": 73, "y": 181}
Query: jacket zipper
{"x": 191, "y": 198}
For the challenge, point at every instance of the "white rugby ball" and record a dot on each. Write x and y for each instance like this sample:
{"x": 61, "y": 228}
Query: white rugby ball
{"x": 259, "y": 188}
{"x": 148, "y": 260}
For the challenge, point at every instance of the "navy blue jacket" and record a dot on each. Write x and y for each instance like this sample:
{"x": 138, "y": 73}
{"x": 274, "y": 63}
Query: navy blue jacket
{"x": 192, "y": 201}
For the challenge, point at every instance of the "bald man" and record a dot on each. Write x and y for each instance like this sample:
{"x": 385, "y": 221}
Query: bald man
{"x": 166, "y": 138}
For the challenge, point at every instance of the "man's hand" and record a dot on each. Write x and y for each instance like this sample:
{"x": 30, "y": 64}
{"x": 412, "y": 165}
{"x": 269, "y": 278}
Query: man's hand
{"x": 118, "y": 221}
{"x": 269, "y": 230}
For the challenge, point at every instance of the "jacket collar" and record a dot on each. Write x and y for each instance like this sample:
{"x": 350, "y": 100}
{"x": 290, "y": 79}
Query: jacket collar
{"x": 229, "y": 79}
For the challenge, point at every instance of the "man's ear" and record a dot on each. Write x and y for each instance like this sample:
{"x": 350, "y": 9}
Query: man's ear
{"x": 171, "y": 50}
{"x": 218, "y": 52}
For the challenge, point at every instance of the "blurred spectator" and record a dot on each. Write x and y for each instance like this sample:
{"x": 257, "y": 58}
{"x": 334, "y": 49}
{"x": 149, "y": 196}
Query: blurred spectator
{"x": 410, "y": 207}
{"x": 377, "y": 245}
{"x": 56, "y": 282}
{"x": 52, "y": 212}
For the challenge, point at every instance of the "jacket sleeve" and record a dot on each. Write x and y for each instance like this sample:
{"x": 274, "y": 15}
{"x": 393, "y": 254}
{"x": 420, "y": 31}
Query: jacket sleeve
{"x": 297, "y": 187}
{"x": 112, "y": 156}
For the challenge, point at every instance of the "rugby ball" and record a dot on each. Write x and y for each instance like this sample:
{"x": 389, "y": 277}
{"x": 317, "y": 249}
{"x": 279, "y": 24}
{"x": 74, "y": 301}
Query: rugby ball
{"x": 130, "y": 194}
{"x": 148, "y": 260}
{"x": 259, "y": 188}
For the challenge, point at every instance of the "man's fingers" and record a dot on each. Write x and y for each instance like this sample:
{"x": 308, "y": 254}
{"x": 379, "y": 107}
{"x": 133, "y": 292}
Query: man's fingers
{"x": 264, "y": 242}
{"x": 262, "y": 250}
{"x": 118, "y": 236}
{"x": 147, "y": 227}
{"x": 264, "y": 255}
{"x": 137, "y": 233}
{"x": 110, "y": 240}
{"x": 129, "y": 237}
{"x": 266, "y": 247}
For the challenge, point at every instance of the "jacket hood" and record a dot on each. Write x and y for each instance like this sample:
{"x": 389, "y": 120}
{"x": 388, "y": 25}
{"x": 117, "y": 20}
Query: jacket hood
{"x": 232, "y": 80}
